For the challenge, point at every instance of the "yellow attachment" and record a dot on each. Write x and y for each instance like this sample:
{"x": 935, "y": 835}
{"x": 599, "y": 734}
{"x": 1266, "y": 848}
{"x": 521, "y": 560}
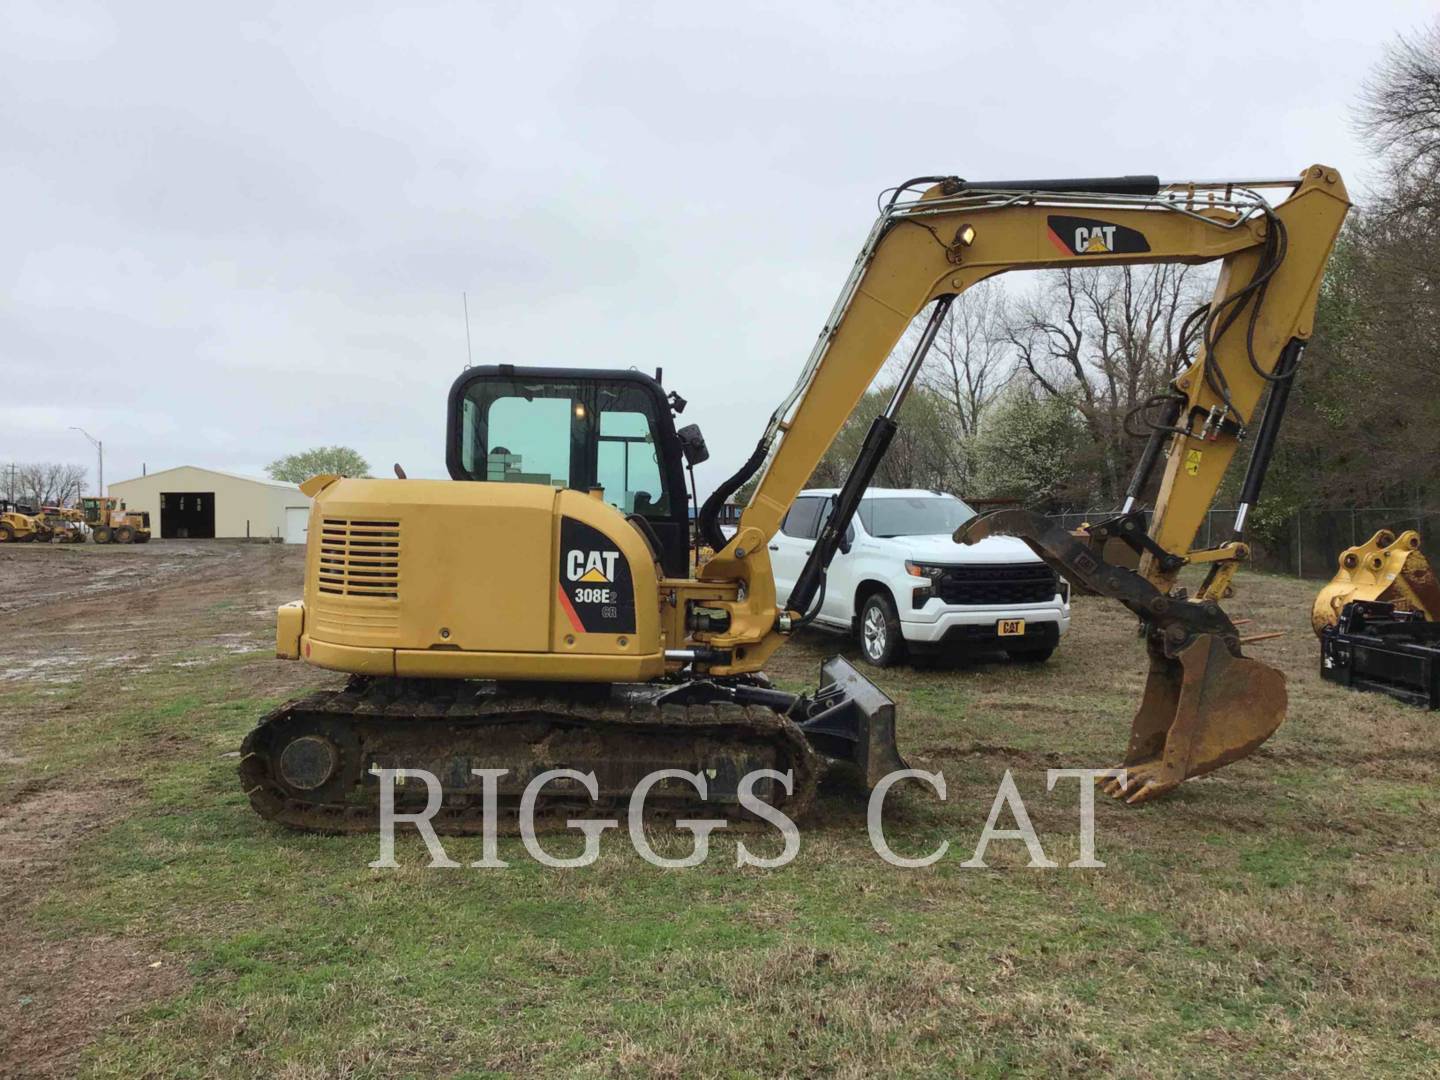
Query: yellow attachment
{"x": 1203, "y": 709}
{"x": 1386, "y": 567}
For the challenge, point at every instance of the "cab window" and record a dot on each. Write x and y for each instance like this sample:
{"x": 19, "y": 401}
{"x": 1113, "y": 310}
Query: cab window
{"x": 529, "y": 441}
{"x": 568, "y": 433}
{"x": 626, "y": 463}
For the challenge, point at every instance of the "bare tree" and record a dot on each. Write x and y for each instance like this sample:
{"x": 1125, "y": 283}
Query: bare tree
{"x": 927, "y": 451}
{"x": 1400, "y": 111}
{"x": 970, "y": 360}
{"x": 1400, "y": 119}
{"x": 1105, "y": 339}
{"x": 49, "y": 483}
{"x": 968, "y": 365}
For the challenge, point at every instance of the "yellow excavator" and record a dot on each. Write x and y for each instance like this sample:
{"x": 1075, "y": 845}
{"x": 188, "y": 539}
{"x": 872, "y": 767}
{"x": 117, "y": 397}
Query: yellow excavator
{"x": 539, "y": 611}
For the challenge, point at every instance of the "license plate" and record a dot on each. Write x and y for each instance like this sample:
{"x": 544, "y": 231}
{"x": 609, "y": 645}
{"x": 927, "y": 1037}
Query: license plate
{"x": 1010, "y": 627}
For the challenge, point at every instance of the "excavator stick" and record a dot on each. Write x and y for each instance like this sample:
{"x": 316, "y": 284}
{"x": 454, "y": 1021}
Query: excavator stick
{"x": 1205, "y": 704}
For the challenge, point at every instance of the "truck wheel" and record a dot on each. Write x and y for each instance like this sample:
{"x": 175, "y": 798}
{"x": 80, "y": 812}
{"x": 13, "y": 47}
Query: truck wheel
{"x": 102, "y": 534}
{"x": 7, "y": 534}
{"x": 880, "y": 640}
{"x": 124, "y": 535}
{"x": 1031, "y": 656}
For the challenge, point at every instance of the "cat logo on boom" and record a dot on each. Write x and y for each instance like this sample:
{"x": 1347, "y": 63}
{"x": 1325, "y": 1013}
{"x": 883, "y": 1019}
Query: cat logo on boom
{"x": 1095, "y": 240}
{"x": 1087, "y": 236}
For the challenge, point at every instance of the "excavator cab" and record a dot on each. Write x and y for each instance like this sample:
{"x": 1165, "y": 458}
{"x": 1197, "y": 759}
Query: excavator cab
{"x": 610, "y": 433}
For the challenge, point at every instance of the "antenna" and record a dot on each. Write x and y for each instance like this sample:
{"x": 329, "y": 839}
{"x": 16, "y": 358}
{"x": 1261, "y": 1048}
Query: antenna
{"x": 469, "y": 359}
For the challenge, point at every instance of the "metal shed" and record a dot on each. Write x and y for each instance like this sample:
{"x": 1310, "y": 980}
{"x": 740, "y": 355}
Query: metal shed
{"x": 189, "y": 502}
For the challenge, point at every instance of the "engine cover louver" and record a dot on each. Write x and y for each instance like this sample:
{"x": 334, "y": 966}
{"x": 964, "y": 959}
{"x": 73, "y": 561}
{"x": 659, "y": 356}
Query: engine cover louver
{"x": 359, "y": 558}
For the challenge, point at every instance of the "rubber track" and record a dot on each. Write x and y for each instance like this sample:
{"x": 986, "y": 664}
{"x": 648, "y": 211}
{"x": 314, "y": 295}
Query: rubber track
{"x": 460, "y": 814}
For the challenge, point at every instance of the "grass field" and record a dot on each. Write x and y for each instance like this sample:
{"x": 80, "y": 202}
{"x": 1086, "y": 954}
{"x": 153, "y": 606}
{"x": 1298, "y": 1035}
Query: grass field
{"x": 1280, "y": 917}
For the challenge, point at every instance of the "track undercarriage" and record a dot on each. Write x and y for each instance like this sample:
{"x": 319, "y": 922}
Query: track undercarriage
{"x": 308, "y": 763}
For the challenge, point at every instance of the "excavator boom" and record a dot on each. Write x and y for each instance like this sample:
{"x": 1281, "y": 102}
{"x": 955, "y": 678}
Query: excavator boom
{"x": 541, "y": 612}
{"x": 1205, "y": 704}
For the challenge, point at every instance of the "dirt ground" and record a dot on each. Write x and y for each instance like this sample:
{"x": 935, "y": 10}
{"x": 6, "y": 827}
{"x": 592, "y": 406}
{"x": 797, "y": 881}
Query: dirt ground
{"x": 102, "y": 617}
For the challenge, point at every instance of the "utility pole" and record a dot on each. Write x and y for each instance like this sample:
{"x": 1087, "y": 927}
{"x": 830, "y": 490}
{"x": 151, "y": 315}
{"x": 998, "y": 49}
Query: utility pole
{"x": 100, "y": 451}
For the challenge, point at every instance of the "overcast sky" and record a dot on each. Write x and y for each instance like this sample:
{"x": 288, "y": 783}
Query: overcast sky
{"x": 232, "y": 232}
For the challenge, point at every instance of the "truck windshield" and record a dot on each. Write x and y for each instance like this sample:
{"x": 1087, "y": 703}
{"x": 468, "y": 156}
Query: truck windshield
{"x": 919, "y": 515}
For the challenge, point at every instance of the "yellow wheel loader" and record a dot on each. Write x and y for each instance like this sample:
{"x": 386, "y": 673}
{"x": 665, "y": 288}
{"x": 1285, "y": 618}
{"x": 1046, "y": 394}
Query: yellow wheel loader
{"x": 17, "y": 527}
{"x": 538, "y": 611}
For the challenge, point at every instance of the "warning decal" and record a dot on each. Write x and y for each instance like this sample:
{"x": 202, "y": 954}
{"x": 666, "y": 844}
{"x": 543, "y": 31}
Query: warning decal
{"x": 596, "y": 594}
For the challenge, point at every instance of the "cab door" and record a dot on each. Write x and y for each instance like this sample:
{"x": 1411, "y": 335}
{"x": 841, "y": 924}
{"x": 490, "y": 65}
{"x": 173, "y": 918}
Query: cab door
{"x": 790, "y": 546}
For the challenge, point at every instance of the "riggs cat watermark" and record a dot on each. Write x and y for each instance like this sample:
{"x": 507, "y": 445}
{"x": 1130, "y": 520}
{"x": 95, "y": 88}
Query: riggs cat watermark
{"x": 1007, "y": 801}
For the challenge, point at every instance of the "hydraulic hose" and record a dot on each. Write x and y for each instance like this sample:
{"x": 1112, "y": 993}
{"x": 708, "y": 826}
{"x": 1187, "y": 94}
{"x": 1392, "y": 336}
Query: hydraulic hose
{"x": 708, "y": 522}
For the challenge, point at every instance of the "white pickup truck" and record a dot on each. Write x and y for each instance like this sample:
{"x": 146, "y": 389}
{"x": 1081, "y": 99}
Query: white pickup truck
{"x": 902, "y": 584}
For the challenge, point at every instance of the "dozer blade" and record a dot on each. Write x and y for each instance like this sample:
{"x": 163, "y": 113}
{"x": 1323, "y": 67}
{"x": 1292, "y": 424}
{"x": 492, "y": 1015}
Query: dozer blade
{"x": 853, "y": 720}
{"x": 1203, "y": 709}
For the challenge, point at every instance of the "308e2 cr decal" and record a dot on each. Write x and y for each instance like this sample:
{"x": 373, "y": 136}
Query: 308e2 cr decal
{"x": 596, "y": 594}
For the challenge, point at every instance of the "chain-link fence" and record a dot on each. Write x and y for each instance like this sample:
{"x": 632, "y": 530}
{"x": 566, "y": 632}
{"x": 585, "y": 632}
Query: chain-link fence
{"x": 1311, "y": 542}
{"x": 1318, "y": 536}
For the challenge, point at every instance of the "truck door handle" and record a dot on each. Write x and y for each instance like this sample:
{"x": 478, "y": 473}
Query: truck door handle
{"x": 774, "y": 547}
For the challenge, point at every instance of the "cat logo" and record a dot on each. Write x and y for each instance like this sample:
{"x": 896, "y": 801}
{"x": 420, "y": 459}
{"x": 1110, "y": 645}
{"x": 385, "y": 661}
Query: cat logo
{"x": 592, "y": 567}
{"x": 1087, "y": 236}
{"x": 1096, "y": 240}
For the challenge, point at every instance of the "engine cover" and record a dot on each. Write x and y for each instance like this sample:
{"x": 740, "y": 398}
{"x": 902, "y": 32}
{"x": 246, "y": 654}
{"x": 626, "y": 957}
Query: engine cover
{"x": 451, "y": 579}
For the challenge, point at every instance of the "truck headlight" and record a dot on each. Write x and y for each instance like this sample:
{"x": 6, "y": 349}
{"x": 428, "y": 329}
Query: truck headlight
{"x": 923, "y": 570}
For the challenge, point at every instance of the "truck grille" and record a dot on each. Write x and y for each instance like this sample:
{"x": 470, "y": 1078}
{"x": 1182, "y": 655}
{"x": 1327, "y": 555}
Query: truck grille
{"x": 359, "y": 558}
{"x": 1009, "y": 583}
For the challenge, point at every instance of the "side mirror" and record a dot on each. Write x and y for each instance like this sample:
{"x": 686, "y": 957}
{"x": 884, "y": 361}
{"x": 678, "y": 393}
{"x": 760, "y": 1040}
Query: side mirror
{"x": 848, "y": 540}
{"x": 692, "y": 444}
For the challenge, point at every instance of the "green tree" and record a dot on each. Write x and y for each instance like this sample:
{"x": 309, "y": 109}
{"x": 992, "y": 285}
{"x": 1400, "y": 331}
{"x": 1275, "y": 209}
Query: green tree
{"x": 1031, "y": 447}
{"x": 929, "y": 450}
{"x": 297, "y": 468}
{"x": 1364, "y": 422}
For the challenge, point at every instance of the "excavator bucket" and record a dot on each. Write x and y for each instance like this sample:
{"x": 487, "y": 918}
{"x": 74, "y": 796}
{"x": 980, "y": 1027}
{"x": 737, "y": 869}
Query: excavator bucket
{"x": 1205, "y": 705}
{"x": 1203, "y": 708}
{"x": 1388, "y": 568}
